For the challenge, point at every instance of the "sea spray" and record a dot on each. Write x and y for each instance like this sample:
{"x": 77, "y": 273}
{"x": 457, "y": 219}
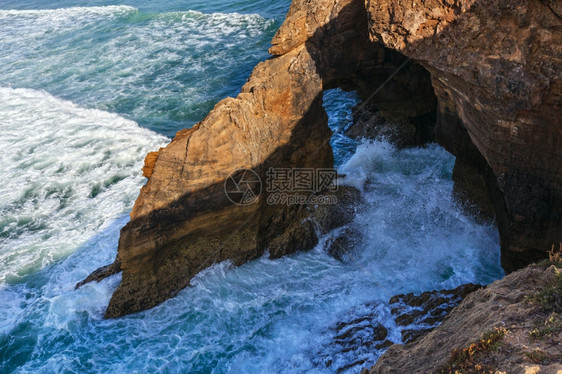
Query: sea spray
{"x": 72, "y": 173}
{"x": 163, "y": 70}
{"x": 67, "y": 173}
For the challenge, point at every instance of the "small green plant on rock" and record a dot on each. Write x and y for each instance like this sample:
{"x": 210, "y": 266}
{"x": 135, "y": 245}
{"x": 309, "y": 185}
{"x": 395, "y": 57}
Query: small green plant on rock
{"x": 552, "y": 325}
{"x": 549, "y": 298}
{"x": 469, "y": 360}
{"x": 540, "y": 357}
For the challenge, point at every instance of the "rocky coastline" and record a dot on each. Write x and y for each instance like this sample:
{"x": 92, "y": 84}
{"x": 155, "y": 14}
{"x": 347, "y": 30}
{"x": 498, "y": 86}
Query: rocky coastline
{"x": 520, "y": 313}
{"x": 481, "y": 78}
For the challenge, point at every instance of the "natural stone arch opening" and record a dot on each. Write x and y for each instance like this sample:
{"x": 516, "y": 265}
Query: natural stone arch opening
{"x": 181, "y": 219}
{"x": 402, "y": 91}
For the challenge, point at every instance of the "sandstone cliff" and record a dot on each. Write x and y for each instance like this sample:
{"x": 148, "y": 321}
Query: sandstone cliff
{"x": 487, "y": 70}
{"x": 495, "y": 68}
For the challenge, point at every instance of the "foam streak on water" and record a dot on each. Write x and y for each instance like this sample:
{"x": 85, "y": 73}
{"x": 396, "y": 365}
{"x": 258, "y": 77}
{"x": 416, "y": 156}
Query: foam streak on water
{"x": 71, "y": 171}
{"x": 164, "y": 70}
{"x": 268, "y": 316}
{"x": 67, "y": 172}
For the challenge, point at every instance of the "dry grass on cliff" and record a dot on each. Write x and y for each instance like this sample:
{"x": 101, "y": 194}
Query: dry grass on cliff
{"x": 542, "y": 327}
{"x": 554, "y": 256}
{"x": 472, "y": 359}
{"x": 548, "y": 302}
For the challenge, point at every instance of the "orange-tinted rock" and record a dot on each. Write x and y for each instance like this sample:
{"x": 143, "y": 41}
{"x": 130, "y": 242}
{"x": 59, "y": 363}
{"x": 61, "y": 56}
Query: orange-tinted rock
{"x": 495, "y": 67}
{"x": 149, "y": 162}
{"x": 183, "y": 222}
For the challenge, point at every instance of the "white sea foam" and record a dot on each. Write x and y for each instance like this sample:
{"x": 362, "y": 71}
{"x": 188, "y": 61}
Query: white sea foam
{"x": 155, "y": 67}
{"x": 68, "y": 172}
{"x": 277, "y": 316}
{"x": 26, "y": 24}
{"x": 412, "y": 230}
{"x": 62, "y": 13}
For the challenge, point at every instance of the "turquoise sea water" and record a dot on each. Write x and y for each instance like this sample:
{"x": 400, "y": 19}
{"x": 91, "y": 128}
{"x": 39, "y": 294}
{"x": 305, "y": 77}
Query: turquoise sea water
{"x": 87, "y": 88}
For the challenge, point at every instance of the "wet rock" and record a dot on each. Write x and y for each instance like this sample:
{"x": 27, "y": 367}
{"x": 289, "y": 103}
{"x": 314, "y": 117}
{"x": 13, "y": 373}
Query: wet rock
{"x": 409, "y": 335}
{"x": 329, "y": 217}
{"x": 344, "y": 244}
{"x": 353, "y": 341}
{"x": 370, "y": 122}
{"x": 101, "y": 273}
{"x": 422, "y": 313}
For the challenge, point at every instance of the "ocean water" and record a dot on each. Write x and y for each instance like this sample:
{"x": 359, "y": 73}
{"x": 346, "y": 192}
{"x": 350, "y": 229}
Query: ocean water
{"x": 87, "y": 88}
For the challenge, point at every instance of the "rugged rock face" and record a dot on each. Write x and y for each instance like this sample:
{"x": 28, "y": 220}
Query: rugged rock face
{"x": 495, "y": 68}
{"x": 488, "y": 70}
{"x": 355, "y": 340}
{"x": 370, "y": 122}
{"x": 183, "y": 221}
{"x": 532, "y": 333}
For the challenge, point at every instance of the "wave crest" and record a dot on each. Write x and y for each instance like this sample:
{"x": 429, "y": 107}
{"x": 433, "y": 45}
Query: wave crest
{"x": 67, "y": 171}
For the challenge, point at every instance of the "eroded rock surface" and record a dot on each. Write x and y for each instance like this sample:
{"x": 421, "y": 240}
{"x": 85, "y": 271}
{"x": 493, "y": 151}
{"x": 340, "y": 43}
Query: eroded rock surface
{"x": 183, "y": 221}
{"x": 359, "y": 335}
{"x": 420, "y": 314}
{"x": 495, "y": 68}
{"x": 488, "y": 70}
{"x": 507, "y": 304}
